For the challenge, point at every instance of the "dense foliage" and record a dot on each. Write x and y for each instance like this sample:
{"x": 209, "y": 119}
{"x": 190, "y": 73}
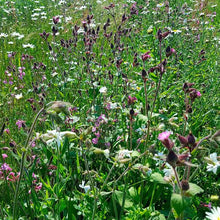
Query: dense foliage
{"x": 109, "y": 110}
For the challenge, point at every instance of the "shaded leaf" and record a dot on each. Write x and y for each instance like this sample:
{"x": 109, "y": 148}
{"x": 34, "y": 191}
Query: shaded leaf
{"x": 157, "y": 177}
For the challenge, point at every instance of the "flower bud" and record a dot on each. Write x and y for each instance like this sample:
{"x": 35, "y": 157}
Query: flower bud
{"x": 183, "y": 140}
{"x": 172, "y": 158}
{"x": 131, "y": 112}
{"x": 185, "y": 185}
{"x": 191, "y": 139}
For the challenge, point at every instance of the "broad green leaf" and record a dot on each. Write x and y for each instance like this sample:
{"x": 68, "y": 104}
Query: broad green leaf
{"x": 128, "y": 202}
{"x": 157, "y": 177}
{"x": 177, "y": 203}
{"x": 194, "y": 189}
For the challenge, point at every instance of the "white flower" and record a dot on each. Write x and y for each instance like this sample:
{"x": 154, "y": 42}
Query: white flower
{"x": 214, "y": 214}
{"x": 50, "y": 136}
{"x": 106, "y": 153}
{"x": 160, "y": 5}
{"x": 124, "y": 153}
{"x": 213, "y": 163}
{"x": 103, "y": 90}
{"x": 19, "y": 96}
{"x": 85, "y": 187}
{"x": 28, "y": 45}
{"x": 3, "y": 35}
{"x": 176, "y": 31}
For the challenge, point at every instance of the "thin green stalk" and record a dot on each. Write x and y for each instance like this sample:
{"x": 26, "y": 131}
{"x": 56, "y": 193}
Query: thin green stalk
{"x": 92, "y": 183}
{"x": 177, "y": 179}
{"x": 130, "y": 133}
{"x": 123, "y": 201}
{"x": 146, "y": 100}
{"x": 152, "y": 196}
{"x": 108, "y": 176}
{"x": 23, "y": 159}
{"x": 114, "y": 205}
{"x": 22, "y": 162}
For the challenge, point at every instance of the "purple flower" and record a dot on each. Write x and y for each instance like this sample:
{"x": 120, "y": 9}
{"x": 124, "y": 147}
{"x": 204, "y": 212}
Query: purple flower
{"x": 20, "y": 123}
{"x": 198, "y": 94}
{"x": 164, "y": 138}
{"x": 4, "y": 156}
{"x": 95, "y": 140}
{"x": 146, "y": 56}
{"x": 6, "y": 167}
{"x": 164, "y": 135}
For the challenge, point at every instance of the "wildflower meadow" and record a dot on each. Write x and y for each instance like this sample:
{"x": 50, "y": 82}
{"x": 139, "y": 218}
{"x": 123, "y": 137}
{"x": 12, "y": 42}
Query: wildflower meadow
{"x": 109, "y": 109}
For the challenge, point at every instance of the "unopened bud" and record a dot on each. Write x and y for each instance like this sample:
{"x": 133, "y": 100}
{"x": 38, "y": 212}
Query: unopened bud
{"x": 191, "y": 139}
{"x": 172, "y": 158}
{"x": 185, "y": 185}
{"x": 183, "y": 140}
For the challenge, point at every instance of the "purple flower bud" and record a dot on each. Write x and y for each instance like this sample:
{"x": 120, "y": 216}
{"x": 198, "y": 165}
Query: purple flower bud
{"x": 191, "y": 139}
{"x": 172, "y": 158}
{"x": 185, "y": 185}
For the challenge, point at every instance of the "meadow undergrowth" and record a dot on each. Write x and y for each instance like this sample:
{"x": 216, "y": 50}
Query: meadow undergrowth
{"x": 109, "y": 110}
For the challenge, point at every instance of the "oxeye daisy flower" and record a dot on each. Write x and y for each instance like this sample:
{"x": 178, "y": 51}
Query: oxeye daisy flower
{"x": 214, "y": 214}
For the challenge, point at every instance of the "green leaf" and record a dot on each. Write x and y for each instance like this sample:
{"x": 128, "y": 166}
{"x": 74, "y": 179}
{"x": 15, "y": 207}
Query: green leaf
{"x": 194, "y": 189}
{"x": 119, "y": 196}
{"x": 157, "y": 177}
{"x": 142, "y": 117}
{"x": 177, "y": 203}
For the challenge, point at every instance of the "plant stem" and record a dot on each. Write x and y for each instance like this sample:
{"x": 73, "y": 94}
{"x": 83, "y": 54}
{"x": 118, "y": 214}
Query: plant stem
{"x": 177, "y": 179}
{"x": 108, "y": 176}
{"x": 23, "y": 161}
{"x": 146, "y": 101}
{"x": 152, "y": 196}
{"x": 130, "y": 133}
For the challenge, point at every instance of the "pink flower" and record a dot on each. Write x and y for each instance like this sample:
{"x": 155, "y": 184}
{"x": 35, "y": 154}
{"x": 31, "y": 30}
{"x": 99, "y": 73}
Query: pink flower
{"x": 6, "y": 167}
{"x": 146, "y": 56}
{"x": 95, "y": 140}
{"x": 164, "y": 138}
{"x": 164, "y": 135}
{"x": 38, "y": 187}
{"x": 11, "y": 177}
{"x": 7, "y": 131}
{"x": 20, "y": 123}
{"x": 198, "y": 94}
{"x": 4, "y": 156}
{"x": 131, "y": 100}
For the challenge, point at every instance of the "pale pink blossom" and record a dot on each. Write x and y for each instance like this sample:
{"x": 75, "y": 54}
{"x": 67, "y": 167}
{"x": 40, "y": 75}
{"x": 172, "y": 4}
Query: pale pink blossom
{"x": 164, "y": 135}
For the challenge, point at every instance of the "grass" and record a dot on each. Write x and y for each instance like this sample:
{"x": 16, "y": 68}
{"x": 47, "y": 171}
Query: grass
{"x": 108, "y": 145}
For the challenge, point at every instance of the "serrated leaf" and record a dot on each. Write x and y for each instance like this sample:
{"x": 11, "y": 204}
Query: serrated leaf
{"x": 158, "y": 178}
{"x": 194, "y": 189}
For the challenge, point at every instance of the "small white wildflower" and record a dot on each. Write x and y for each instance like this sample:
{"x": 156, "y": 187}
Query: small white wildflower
{"x": 160, "y": 5}
{"x": 85, "y": 187}
{"x": 103, "y": 90}
{"x": 176, "y": 31}
{"x": 3, "y": 35}
{"x": 28, "y": 46}
{"x": 106, "y": 153}
{"x": 19, "y": 96}
{"x": 124, "y": 153}
{"x": 213, "y": 163}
